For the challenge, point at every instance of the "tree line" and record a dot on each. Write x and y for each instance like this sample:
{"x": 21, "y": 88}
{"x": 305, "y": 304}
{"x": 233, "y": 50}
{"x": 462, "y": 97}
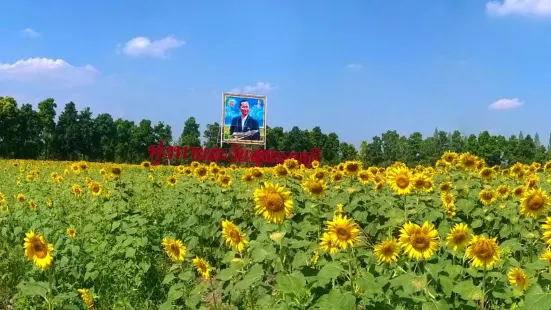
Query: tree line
{"x": 26, "y": 133}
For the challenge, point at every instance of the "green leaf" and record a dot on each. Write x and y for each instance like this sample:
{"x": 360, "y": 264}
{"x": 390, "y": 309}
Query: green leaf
{"x": 329, "y": 272}
{"x": 32, "y": 288}
{"x": 255, "y": 274}
{"x": 290, "y": 284}
{"x": 536, "y": 299}
{"x": 438, "y": 305}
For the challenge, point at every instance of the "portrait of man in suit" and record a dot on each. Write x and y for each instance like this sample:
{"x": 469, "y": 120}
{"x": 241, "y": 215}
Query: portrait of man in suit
{"x": 245, "y": 123}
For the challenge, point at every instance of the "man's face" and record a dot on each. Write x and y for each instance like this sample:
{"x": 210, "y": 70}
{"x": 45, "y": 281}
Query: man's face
{"x": 244, "y": 108}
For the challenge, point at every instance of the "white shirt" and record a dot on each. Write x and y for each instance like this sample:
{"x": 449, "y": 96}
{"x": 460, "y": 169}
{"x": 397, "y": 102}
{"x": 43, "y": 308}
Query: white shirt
{"x": 243, "y": 119}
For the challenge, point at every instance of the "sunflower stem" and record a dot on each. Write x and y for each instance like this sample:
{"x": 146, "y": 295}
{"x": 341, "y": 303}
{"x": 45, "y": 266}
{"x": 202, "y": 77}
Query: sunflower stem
{"x": 484, "y": 289}
{"x": 405, "y": 209}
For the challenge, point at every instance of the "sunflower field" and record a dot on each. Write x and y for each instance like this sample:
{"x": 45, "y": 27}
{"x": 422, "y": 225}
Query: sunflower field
{"x": 459, "y": 235}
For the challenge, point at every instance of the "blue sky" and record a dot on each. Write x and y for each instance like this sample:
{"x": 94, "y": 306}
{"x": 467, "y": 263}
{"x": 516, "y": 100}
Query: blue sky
{"x": 357, "y": 67}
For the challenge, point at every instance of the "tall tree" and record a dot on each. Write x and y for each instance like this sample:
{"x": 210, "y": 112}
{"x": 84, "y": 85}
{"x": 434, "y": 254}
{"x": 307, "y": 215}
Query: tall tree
{"x": 191, "y": 136}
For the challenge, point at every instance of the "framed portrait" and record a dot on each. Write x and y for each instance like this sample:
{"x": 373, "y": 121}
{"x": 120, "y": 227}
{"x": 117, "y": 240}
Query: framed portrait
{"x": 243, "y": 119}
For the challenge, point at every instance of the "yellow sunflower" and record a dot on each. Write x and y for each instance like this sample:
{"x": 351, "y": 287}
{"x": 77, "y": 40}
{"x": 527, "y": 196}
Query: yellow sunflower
{"x": 234, "y": 237}
{"x": 71, "y": 232}
{"x": 483, "y": 252}
{"x": 547, "y": 231}
{"x": 225, "y": 180}
{"x": 38, "y": 250}
{"x": 445, "y": 186}
{"x": 534, "y": 203}
{"x": 344, "y": 231}
{"x": 315, "y": 187}
{"x": 273, "y": 202}
{"x": 518, "y": 278}
{"x": 458, "y": 237}
{"x": 502, "y": 191}
{"x": 387, "y": 251}
{"x": 487, "y": 196}
{"x": 546, "y": 256}
{"x": 87, "y": 297}
{"x": 77, "y": 190}
{"x": 202, "y": 267}
{"x": 419, "y": 242}
{"x": 519, "y": 191}
{"x": 95, "y": 188}
{"x": 327, "y": 244}
{"x": 171, "y": 180}
{"x": 175, "y": 249}
{"x": 400, "y": 180}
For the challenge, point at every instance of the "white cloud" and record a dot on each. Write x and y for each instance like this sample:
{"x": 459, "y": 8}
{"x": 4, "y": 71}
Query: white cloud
{"x": 29, "y": 32}
{"x": 354, "y": 66}
{"x": 142, "y": 46}
{"x": 261, "y": 88}
{"x": 521, "y": 7}
{"x": 56, "y": 72}
{"x": 506, "y": 104}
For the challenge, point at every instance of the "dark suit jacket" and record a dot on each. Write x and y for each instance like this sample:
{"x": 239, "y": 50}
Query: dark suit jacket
{"x": 250, "y": 124}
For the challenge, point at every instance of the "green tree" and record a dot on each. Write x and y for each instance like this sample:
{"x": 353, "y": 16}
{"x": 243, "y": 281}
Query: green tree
{"x": 191, "y": 136}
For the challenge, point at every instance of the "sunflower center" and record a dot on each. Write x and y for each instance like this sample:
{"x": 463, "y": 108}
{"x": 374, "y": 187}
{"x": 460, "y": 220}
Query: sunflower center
{"x": 387, "y": 251}
{"x": 39, "y": 249}
{"x": 202, "y": 172}
{"x": 315, "y": 188}
{"x": 459, "y": 237}
{"x": 420, "y": 183}
{"x": 175, "y": 249}
{"x": 519, "y": 278}
{"x": 235, "y": 236}
{"x": 343, "y": 233}
{"x": 402, "y": 181}
{"x": 448, "y": 199}
{"x": 420, "y": 241}
{"x": 535, "y": 202}
{"x": 274, "y": 202}
{"x": 487, "y": 196}
{"x": 483, "y": 250}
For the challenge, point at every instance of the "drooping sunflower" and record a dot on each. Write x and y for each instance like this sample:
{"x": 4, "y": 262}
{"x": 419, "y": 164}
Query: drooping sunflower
{"x": 419, "y": 242}
{"x": 87, "y": 297}
{"x": 344, "y": 231}
{"x": 547, "y": 231}
{"x": 387, "y": 251}
{"x": 518, "y": 278}
{"x": 175, "y": 249}
{"x": 202, "y": 267}
{"x": 33, "y": 205}
{"x": 327, "y": 244}
{"x": 458, "y": 237}
{"x": 273, "y": 202}
{"x": 38, "y": 250}
{"x": 483, "y": 252}
{"x": 534, "y": 203}
{"x": 487, "y": 196}
{"x": 233, "y": 236}
{"x": 400, "y": 179}
{"x": 316, "y": 188}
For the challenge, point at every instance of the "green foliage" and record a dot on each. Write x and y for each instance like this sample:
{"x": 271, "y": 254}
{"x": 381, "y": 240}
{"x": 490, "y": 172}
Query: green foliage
{"x": 28, "y": 134}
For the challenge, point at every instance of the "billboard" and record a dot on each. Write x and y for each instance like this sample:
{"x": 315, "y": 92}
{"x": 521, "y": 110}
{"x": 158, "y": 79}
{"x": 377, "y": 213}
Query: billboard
{"x": 244, "y": 119}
